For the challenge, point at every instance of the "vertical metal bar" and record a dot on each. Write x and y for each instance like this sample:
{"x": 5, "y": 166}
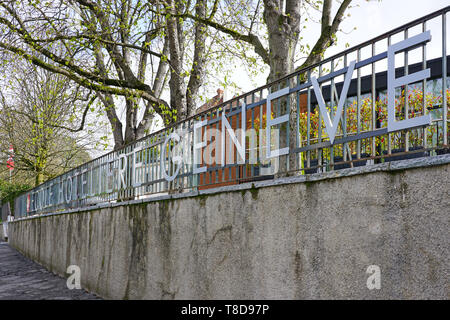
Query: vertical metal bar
{"x": 344, "y": 120}
{"x": 158, "y": 163}
{"x": 319, "y": 136}
{"x": 148, "y": 176}
{"x": 374, "y": 97}
{"x": 406, "y": 95}
{"x": 237, "y": 169}
{"x": 332, "y": 90}
{"x": 145, "y": 159}
{"x": 242, "y": 168}
{"x": 297, "y": 128}
{"x": 208, "y": 174}
{"x": 130, "y": 170}
{"x": 308, "y": 122}
{"x": 389, "y": 135}
{"x": 279, "y": 106}
{"x": 260, "y": 133}
{"x": 358, "y": 108}
{"x": 217, "y": 148}
{"x": 154, "y": 173}
{"x": 230, "y": 107}
{"x": 444, "y": 78}
{"x": 252, "y": 167}
{"x": 153, "y": 177}
{"x": 184, "y": 149}
{"x": 168, "y": 154}
{"x": 177, "y": 181}
{"x": 297, "y": 124}
{"x": 288, "y": 111}
{"x": 192, "y": 178}
{"x": 180, "y": 179}
{"x": 99, "y": 175}
{"x": 424, "y": 86}
{"x": 277, "y": 114}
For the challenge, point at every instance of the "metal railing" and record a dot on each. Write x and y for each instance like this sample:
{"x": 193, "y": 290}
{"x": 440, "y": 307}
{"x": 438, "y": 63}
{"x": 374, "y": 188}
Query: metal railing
{"x": 297, "y": 129}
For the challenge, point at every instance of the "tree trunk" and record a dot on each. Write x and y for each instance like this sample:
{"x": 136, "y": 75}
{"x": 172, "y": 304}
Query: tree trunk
{"x": 39, "y": 177}
{"x": 131, "y": 119}
{"x": 176, "y": 83}
{"x": 198, "y": 65}
{"x": 283, "y": 29}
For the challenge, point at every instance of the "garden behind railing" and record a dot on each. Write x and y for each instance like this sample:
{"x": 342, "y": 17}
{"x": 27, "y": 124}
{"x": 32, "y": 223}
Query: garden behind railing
{"x": 141, "y": 168}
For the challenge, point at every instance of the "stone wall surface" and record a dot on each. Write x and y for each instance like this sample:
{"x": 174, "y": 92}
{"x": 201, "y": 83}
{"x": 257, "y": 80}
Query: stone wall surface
{"x": 305, "y": 240}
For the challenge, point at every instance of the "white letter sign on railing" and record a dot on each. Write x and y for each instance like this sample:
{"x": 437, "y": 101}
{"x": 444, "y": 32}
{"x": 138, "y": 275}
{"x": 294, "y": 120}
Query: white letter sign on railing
{"x": 273, "y": 122}
{"x": 175, "y": 159}
{"x": 226, "y": 127}
{"x": 393, "y": 82}
{"x": 198, "y": 145}
{"x": 331, "y": 127}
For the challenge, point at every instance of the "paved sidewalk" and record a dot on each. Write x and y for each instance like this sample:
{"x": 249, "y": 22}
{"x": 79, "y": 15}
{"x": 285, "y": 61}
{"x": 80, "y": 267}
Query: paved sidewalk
{"x": 23, "y": 279}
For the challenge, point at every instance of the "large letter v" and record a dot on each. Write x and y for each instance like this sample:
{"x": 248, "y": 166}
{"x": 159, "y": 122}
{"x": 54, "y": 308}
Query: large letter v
{"x": 332, "y": 127}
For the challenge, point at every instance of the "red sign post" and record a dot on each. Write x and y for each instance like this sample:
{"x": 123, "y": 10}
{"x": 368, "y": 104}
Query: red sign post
{"x": 10, "y": 161}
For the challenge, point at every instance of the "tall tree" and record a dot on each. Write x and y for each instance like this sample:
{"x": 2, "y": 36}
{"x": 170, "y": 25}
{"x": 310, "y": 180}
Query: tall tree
{"x": 36, "y": 114}
{"x": 126, "y": 48}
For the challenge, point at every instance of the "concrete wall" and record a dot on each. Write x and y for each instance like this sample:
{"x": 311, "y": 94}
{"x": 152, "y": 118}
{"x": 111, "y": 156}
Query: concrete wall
{"x": 304, "y": 240}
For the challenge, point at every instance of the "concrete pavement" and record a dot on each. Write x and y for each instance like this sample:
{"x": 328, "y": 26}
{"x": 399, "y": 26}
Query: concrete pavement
{"x": 23, "y": 279}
